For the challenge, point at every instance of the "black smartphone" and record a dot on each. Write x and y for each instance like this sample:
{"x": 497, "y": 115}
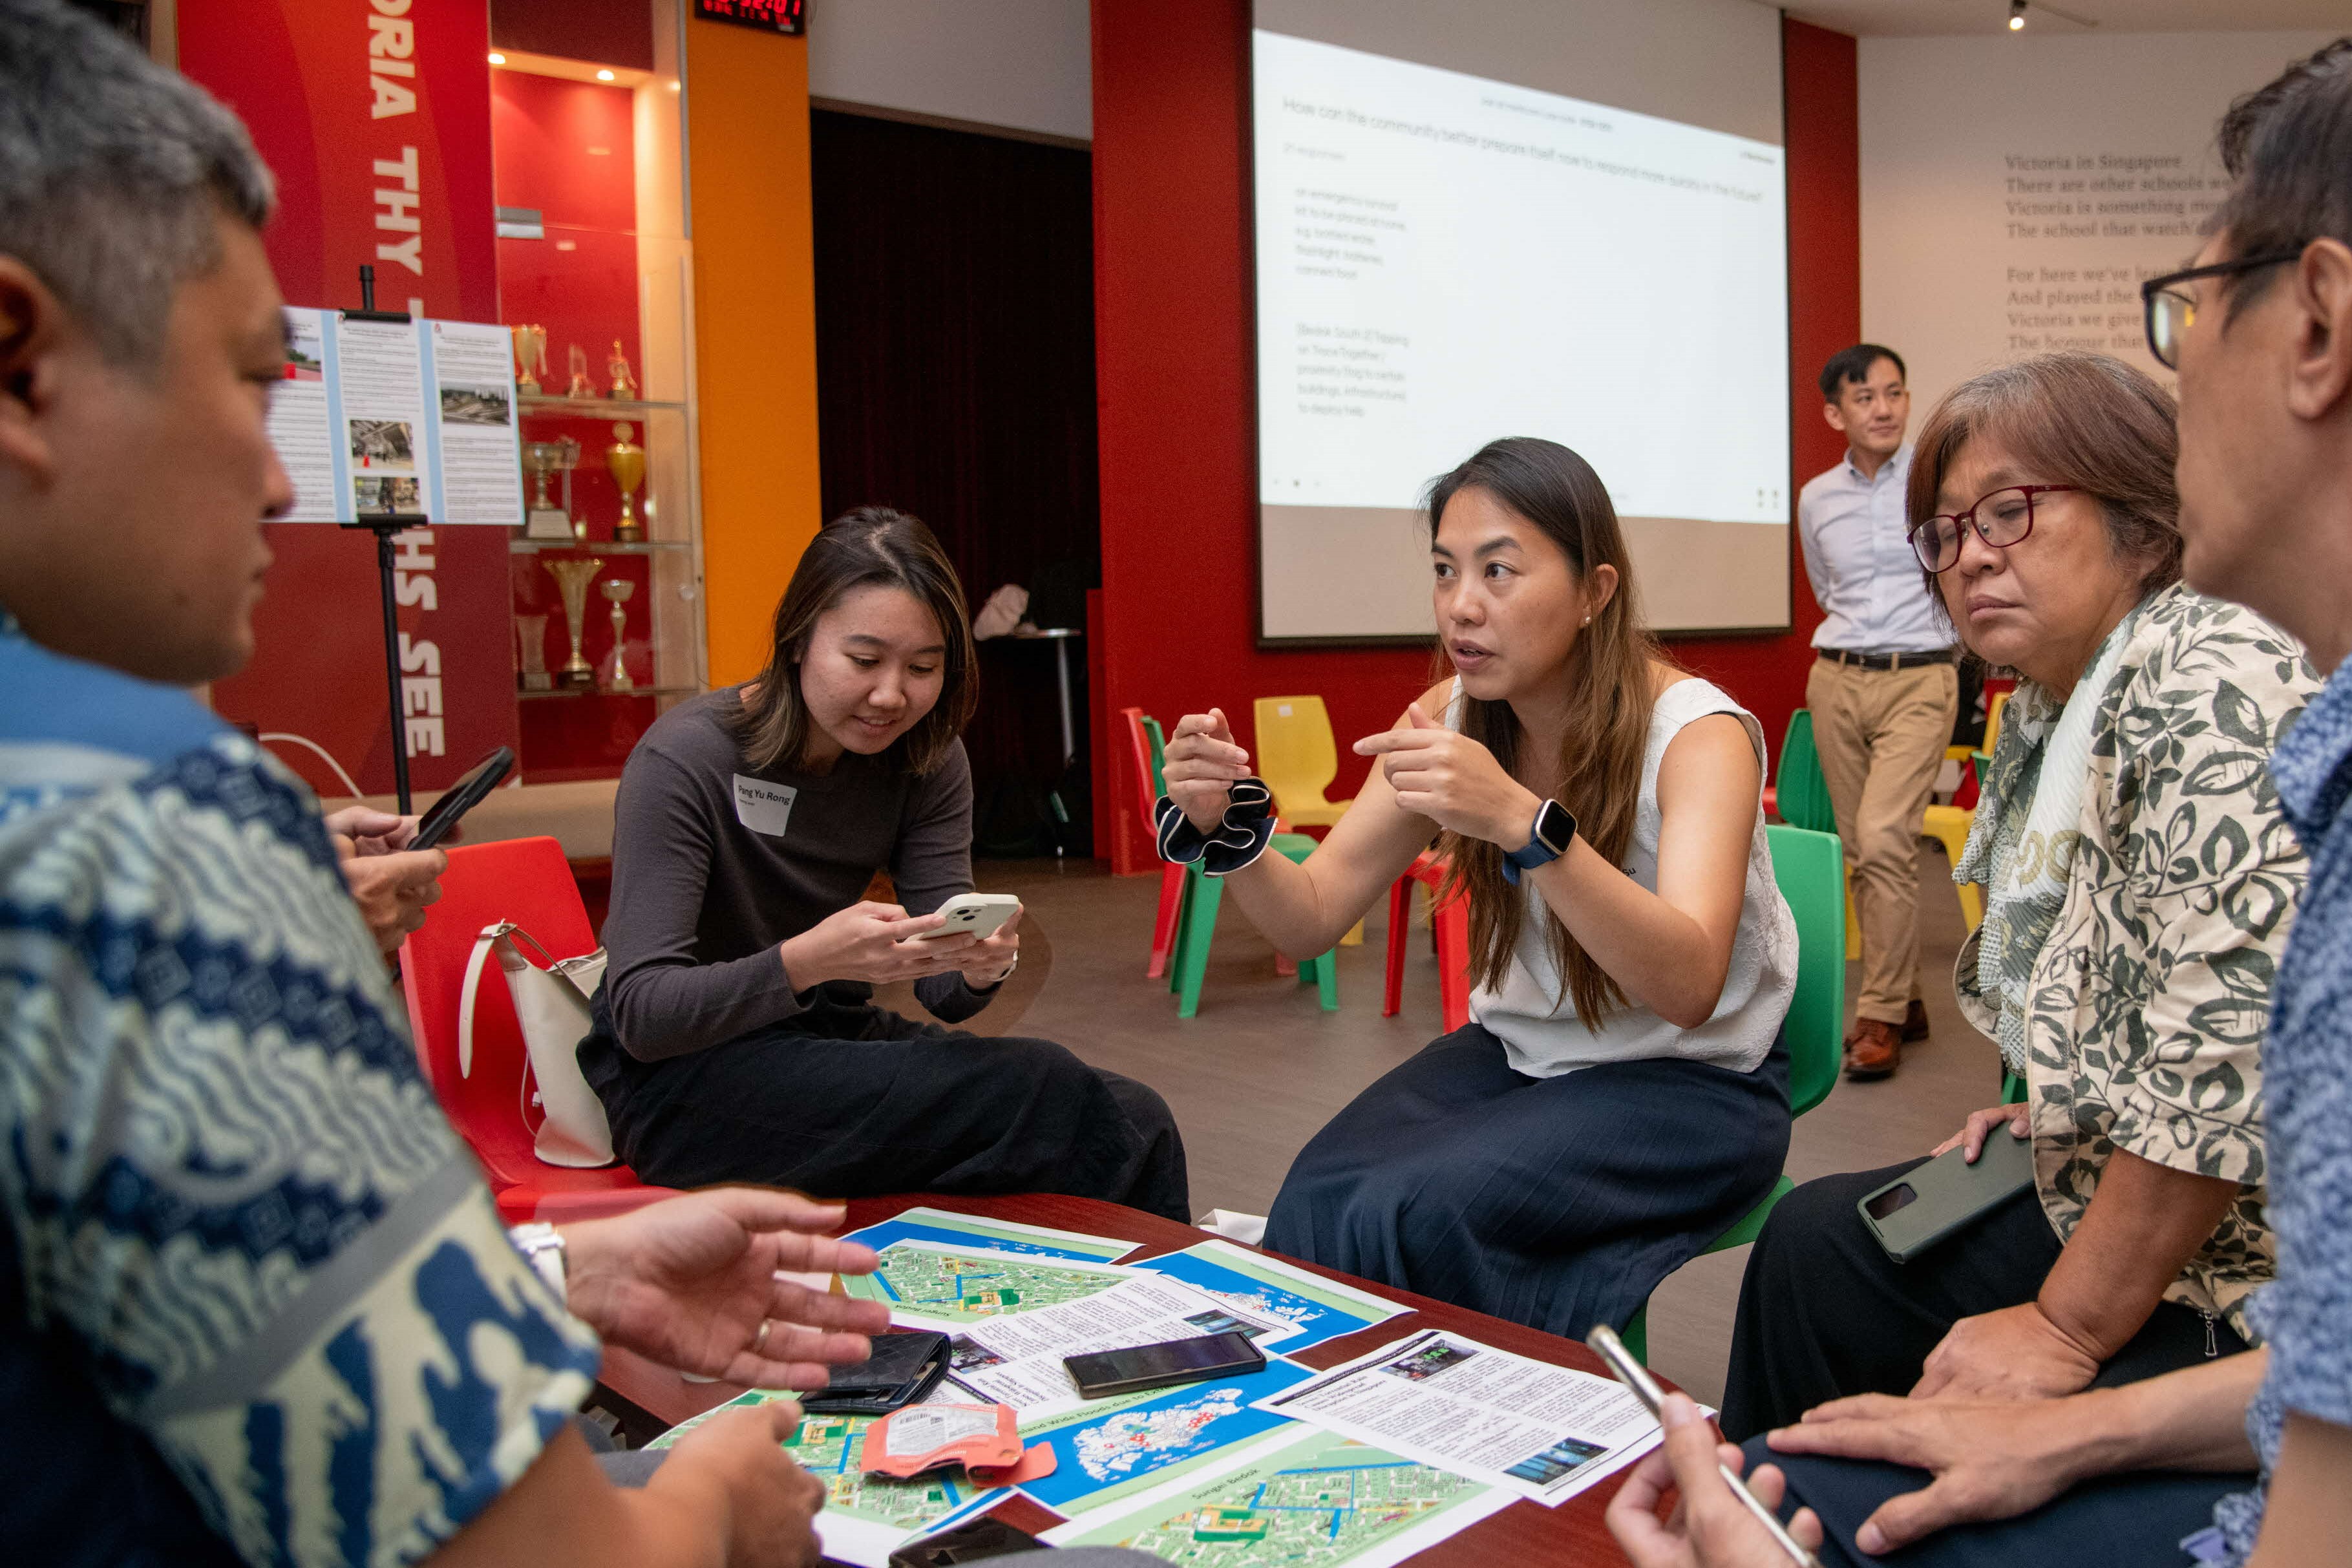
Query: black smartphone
{"x": 1929, "y": 1203}
{"x": 1106, "y": 1373}
{"x": 982, "y": 1537}
{"x": 462, "y": 797}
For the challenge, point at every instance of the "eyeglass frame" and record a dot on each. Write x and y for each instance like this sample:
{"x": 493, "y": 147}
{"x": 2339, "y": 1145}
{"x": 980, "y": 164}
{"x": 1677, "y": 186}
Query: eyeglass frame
{"x": 1964, "y": 521}
{"x": 2153, "y": 287}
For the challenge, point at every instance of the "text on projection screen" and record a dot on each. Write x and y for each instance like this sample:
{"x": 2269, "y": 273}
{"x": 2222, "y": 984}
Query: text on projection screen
{"x": 1444, "y": 259}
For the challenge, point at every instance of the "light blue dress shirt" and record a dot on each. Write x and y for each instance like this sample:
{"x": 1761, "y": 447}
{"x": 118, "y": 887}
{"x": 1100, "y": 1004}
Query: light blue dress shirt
{"x": 1867, "y": 581}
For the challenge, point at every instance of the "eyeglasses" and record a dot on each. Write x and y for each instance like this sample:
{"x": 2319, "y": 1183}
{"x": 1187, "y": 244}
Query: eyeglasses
{"x": 2008, "y": 518}
{"x": 2171, "y": 309}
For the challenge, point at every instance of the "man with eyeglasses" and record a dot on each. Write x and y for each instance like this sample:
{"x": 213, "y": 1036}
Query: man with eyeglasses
{"x": 1883, "y": 689}
{"x": 2259, "y": 329}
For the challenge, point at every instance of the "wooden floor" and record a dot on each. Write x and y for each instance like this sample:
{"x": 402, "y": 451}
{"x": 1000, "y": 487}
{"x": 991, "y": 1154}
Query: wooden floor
{"x": 1262, "y": 1068}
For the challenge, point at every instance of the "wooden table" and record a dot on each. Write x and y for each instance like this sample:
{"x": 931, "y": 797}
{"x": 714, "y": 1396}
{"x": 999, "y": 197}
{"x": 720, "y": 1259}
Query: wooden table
{"x": 1526, "y": 1532}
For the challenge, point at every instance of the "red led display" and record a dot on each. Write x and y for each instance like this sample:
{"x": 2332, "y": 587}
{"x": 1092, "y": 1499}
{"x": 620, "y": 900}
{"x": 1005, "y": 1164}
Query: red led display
{"x": 770, "y": 15}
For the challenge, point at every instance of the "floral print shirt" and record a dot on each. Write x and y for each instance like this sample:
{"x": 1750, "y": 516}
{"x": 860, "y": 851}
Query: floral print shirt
{"x": 2149, "y": 1000}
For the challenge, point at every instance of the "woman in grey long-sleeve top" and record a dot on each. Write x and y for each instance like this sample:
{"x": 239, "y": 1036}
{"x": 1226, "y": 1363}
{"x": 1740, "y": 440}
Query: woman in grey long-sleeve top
{"x": 735, "y": 1037}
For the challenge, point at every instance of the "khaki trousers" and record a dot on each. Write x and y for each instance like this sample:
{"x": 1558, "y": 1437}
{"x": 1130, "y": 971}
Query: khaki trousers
{"x": 1881, "y": 735}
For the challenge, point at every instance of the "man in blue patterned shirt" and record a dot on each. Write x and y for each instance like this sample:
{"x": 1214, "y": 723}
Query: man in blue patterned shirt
{"x": 2260, "y": 328}
{"x": 255, "y": 1300}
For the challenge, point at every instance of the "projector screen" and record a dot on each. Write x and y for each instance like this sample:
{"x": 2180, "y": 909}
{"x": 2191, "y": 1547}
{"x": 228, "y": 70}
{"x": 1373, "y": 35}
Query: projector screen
{"x": 1444, "y": 258}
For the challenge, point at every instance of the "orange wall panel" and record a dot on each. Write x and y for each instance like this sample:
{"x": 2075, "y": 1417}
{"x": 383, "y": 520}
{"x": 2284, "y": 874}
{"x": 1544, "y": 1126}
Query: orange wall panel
{"x": 755, "y": 333}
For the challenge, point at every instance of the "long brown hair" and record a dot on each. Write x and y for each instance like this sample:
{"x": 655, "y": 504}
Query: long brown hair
{"x": 1599, "y": 772}
{"x": 871, "y": 545}
{"x": 2072, "y": 418}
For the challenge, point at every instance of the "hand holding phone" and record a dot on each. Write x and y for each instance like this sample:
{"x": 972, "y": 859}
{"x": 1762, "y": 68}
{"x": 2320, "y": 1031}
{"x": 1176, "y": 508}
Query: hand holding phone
{"x": 467, "y": 793}
{"x": 1604, "y": 1342}
{"x": 976, "y": 915}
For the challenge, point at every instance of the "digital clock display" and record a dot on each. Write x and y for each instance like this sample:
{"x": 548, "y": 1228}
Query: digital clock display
{"x": 769, "y": 16}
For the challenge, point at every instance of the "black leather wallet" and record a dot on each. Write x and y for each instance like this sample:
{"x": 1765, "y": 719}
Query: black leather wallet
{"x": 902, "y": 1369}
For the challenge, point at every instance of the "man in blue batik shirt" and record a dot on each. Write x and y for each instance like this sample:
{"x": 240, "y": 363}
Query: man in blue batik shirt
{"x": 2260, "y": 328}
{"x": 255, "y": 1300}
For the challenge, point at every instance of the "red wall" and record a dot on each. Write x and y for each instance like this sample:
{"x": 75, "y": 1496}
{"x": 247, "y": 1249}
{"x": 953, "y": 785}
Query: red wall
{"x": 1173, "y": 313}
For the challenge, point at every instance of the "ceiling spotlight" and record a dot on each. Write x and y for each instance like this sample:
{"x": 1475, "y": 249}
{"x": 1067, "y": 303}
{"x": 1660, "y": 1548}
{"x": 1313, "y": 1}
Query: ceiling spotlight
{"x": 603, "y": 76}
{"x": 2016, "y": 15}
{"x": 497, "y": 59}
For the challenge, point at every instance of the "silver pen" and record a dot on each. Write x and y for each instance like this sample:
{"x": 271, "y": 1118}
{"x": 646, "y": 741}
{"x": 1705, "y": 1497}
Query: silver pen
{"x": 1605, "y": 1343}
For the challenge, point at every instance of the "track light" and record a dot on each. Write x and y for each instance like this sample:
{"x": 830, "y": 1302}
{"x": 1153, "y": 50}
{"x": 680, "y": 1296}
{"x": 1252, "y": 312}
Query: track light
{"x": 2016, "y": 15}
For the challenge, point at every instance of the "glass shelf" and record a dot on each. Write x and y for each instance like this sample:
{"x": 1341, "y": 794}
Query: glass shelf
{"x": 595, "y": 546}
{"x": 593, "y": 407}
{"x": 600, "y": 692}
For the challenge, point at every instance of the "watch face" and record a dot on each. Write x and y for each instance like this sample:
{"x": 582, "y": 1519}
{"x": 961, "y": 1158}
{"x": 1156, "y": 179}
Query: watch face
{"x": 1555, "y": 827}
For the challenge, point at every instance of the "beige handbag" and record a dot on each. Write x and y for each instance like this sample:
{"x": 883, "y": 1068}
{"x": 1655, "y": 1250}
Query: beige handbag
{"x": 551, "y": 1005}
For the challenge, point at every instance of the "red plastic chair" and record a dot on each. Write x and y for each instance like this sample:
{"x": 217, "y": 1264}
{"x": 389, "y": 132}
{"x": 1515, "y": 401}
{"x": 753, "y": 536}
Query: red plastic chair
{"x": 527, "y": 881}
{"x": 1449, "y": 919}
{"x": 1148, "y": 789}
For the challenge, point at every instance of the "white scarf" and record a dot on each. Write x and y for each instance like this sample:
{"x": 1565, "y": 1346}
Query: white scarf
{"x": 2022, "y": 842}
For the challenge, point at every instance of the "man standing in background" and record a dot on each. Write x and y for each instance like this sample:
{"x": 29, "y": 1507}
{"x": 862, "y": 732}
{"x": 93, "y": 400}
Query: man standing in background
{"x": 1883, "y": 690}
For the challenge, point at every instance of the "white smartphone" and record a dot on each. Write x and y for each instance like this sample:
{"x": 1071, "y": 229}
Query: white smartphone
{"x": 973, "y": 915}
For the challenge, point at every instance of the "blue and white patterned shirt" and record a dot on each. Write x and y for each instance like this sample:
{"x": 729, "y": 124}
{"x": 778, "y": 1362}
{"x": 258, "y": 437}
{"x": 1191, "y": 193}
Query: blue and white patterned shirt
{"x": 234, "y": 1215}
{"x": 1873, "y": 596}
{"x": 2306, "y": 1314}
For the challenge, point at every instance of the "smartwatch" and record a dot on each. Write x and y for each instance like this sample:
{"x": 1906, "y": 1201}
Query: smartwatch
{"x": 1555, "y": 829}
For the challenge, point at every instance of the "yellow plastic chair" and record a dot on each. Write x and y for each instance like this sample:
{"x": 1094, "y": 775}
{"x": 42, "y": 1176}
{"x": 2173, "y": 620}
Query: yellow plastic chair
{"x": 1297, "y": 758}
{"x": 1949, "y": 825}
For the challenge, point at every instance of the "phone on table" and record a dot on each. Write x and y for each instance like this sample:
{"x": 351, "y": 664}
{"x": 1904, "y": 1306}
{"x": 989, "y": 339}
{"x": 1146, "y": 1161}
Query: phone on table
{"x": 965, "y": 1543}
{"x": 1106, "y": 1373}
{"x": 1605, "y": 1342}
{"x": 973, "y": 915}
{"x": 462, "y": 797}
{"x": 1929, "y": 1203}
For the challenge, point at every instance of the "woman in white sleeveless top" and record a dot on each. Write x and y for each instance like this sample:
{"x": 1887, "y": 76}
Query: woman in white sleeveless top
{"x": 1620, "y": 1094}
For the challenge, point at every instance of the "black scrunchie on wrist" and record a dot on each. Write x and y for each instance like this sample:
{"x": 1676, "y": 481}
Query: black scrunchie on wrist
{"x": 1239, "y": 840}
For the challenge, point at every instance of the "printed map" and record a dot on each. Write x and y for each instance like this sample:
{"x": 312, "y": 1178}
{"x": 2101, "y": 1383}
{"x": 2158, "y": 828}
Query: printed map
{"x": 938, "y": 1283}
{"x": 1116, "y": 1445}
{"x": 1320, "y": 1502}
{"x": 830, "y": 1448}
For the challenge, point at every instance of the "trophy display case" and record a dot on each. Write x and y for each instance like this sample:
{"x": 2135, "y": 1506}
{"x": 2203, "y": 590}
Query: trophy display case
{"x": 595, "y": 280}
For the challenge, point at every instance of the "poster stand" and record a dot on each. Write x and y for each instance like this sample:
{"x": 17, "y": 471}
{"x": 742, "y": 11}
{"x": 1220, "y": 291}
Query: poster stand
{"x": 384, "y": 525}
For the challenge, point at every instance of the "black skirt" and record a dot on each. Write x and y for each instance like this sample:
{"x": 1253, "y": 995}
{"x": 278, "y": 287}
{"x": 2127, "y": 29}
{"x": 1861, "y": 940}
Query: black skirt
{"x": 1555, "y": 1201}
{"x": 847, "y": 1099}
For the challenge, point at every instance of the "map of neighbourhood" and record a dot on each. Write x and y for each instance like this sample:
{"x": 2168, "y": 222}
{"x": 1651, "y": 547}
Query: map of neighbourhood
{"x": 1331, "y": 1500}
{"x": 973, "y": 1284}
{"x": 1116, "y": 1445}
{"x": 831, "y": 1448}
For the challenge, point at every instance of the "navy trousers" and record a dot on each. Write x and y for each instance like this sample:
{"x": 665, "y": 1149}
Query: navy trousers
{"x": 1555, "y": 1201}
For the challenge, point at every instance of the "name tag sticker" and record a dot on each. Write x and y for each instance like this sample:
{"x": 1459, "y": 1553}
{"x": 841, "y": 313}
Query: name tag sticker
{"x": 764, "y": 807}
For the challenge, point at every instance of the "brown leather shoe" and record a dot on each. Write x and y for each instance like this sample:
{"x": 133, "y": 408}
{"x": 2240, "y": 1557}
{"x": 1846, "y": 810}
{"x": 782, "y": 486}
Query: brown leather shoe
{"x": 1873, "y": 1050}
{"x": 1915, "y": 1022}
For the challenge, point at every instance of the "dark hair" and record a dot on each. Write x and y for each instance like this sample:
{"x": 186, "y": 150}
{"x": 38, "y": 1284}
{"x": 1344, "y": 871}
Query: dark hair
{"x": 2288, "y": 145}
{"x": 1598, "y": 772}
{"x": 871, "y": 545}
{"x": 2074, "y": 418}
{"x": 1851, "y": 367}
{"x": 114, "y": 172}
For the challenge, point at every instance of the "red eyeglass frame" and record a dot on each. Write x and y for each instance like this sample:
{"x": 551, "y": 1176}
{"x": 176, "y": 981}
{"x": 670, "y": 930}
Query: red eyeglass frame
{"x": 1963, "y": 521}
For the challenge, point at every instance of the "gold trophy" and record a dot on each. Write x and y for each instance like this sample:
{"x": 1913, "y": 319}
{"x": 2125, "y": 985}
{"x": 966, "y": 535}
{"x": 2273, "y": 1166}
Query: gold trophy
{"x": 546, "y": 519}
{"x": 572, "y": 577}
{"x": 533, "y": 676}
{"x": 618, "y": 591}
{"x": 625, "y": 381}
{"x": 581, "y": 386}
{"x": 626, "y": 460}
{"x": 530, "y": 354}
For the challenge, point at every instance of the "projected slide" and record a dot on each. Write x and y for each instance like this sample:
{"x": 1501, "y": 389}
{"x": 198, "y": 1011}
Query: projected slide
{"x": 1443, "y": 260}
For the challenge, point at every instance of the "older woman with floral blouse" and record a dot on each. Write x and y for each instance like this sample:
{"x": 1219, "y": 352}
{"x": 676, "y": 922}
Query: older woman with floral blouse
{"x": 2140, "y": 883}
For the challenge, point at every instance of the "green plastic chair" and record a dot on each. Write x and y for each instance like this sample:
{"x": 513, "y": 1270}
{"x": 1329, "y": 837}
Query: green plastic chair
{"x": 1801, "y": 795}
{"x": 1196, "y": 924}
{"x": 1810, "y": 867}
